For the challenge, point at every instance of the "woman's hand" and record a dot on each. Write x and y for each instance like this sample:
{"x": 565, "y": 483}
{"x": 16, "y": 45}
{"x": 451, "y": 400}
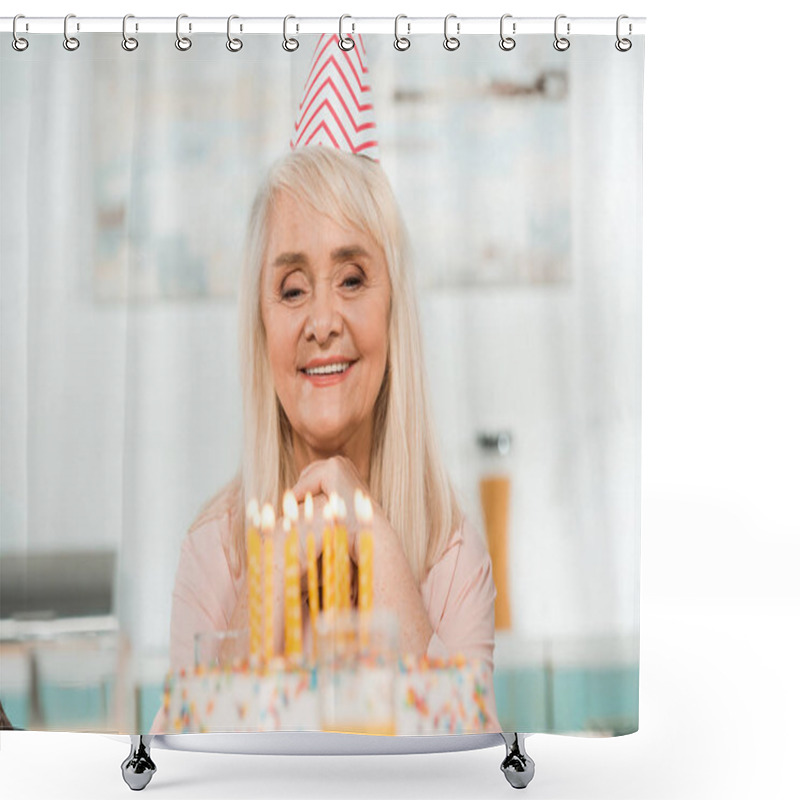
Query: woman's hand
{"x": 393, "y": 582}
{"x": 338, "y": 474}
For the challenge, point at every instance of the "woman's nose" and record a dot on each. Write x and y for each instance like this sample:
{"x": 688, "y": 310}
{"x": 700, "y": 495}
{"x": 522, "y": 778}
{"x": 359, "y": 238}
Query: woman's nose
{"x": 324, "y": 319}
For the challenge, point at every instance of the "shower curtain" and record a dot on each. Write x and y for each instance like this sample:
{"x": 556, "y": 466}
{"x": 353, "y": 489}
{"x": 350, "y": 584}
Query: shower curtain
{"x": 498, "y": 565}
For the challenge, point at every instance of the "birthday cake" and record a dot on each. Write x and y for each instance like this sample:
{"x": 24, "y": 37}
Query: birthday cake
{"x": 426, "y": 696}
{"x": 350, "y": 678}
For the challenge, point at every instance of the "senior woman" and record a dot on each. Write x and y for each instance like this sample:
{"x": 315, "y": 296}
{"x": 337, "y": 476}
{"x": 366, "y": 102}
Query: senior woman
{"x": 334, "y": 401}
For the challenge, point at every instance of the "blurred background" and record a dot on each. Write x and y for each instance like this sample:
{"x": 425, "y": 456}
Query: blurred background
{"x": 126, "y": 187}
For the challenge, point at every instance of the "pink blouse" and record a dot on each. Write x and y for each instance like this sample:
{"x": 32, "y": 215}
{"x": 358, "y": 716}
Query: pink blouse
{"x": 458, "y": 593}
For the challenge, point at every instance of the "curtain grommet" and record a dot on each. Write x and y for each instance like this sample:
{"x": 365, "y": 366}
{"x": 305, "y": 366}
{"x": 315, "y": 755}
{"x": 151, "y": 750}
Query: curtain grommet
{"x": 183, "y": 43}
{"x": 346, "y": 43}
{"x": 19, "y": 43}
{"x": 289, "y": 44}
{"x": 70, "y": 43}
{"x": 401, "y": 43}
{"x": 233, "y": 44}
{"x": 623, "y": 44}
{"x": 129, "y": 43}
{"x": 451, "y": 43}
{"x": 507, "y": 42}
{"x": 561, "y": 43}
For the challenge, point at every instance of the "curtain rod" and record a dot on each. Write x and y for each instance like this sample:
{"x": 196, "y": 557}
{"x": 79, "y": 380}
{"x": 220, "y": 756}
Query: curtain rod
{"x": 408, "y": 26}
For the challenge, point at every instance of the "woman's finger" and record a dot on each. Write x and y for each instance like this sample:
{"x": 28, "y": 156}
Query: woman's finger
{"x": 337, "y": 474}
{"x": 314, "y": 479}
{"x": 324, "y": 477}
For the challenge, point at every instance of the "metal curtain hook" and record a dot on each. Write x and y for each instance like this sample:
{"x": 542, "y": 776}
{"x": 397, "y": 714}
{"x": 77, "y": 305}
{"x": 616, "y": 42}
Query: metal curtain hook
{"x": 129, "y": 43}
{"x": 182, "y": 42}
{"x": 451, "y": 42}
{"x": 623, "y": 45}
{"x": 507, "y": 42}
{"x": 70, "y": 42}
{"x": 234, "y": 45}
{"x": 18, "y": 43}
{"x": 401, "y": 42}
{"x": 351, "y": 42}
{"x": 561, "y": 43}
{"x": 289, "y": 44}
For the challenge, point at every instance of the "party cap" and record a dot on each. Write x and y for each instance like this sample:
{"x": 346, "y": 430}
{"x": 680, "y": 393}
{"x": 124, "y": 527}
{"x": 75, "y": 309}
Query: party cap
{"x": 336, "y": 109}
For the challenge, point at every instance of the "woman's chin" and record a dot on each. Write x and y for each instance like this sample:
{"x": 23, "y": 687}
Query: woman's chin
{"x": 330, "y": 438}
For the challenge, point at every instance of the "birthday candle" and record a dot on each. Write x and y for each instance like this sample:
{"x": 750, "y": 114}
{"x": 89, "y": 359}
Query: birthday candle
{"x": 268, "y": 613}
{"x": 328, "y": 562}
{"x": 254, "y": 586}
{"x": 345, "y": 596}
{"x": 311, "y": 558}
{"x": 341, "y": 555}
{"x": 365, "y": 552}
{"x": 293, "y": 621}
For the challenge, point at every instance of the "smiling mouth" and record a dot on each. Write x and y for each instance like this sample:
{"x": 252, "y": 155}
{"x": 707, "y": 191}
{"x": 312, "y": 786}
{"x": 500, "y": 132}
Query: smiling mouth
{"x": 328, "y": 369}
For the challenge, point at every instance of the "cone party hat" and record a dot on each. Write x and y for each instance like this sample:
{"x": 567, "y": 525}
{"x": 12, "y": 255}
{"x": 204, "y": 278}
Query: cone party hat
{"x": 336, "y": 109}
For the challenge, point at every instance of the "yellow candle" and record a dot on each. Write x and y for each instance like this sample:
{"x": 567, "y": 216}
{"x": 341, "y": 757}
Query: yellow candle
{"x": 328, "y": 562}
{"x": 268, "y": 612}
{"x": 311, "y": 558}
{"x": 365, "y": 552}
{"x": 342, "y": 556}
{"x": 292, "y": 618}
{"x": 254, "y": 585}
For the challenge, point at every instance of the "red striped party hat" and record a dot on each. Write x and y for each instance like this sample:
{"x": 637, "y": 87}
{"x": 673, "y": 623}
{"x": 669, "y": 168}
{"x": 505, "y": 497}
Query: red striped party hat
{"x": 336, "y": 109}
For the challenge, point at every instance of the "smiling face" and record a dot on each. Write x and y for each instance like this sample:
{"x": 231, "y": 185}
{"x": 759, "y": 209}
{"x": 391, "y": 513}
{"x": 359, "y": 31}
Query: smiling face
{"x": 325, "y": 301}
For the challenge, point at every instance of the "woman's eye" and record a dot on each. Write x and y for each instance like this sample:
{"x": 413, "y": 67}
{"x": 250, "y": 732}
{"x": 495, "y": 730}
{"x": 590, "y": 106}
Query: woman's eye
{"x": 352, "y": 281}
{"x": 291, "y": 294}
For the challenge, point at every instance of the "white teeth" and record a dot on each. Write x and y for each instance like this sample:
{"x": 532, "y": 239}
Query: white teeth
{"x": 328, "y": 369}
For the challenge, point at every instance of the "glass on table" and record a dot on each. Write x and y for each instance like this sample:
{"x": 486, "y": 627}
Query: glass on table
{"x": 357, "y": 663}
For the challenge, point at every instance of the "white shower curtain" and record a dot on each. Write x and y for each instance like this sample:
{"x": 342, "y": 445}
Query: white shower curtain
{"x": 126, "y": 182}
